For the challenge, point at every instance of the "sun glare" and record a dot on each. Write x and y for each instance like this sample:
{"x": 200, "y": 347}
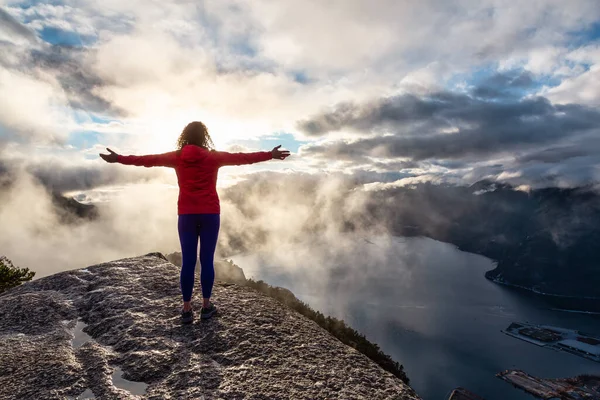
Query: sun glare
{"x": 163, "y": 131}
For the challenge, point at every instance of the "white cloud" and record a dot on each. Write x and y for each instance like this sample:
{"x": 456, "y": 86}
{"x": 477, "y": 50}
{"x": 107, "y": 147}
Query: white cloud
{"x": 544, "y": 60}
{"x": 61, "y": 17}
{"x": 34, "y": 107}
{"x": 583, "y": 88}
{"x": 353, "y": 35}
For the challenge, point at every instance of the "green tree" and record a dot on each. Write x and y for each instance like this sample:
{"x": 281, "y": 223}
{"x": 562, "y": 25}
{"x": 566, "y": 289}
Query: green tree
{"x": 11, "y": 276}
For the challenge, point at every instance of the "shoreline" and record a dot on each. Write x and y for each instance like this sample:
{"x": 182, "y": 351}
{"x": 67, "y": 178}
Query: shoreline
{"x": 576, "y": 311}
{"x": 562, "y": 296}
{"x": 581, "y": 305}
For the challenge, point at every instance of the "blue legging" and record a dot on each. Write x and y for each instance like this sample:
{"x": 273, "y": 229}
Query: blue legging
{"x": 192, "y": 226}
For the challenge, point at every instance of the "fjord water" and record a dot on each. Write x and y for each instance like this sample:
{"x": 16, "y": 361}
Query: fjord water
{"x": 428, "y": 305}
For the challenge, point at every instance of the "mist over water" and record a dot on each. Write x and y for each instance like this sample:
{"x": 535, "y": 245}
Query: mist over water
{"x": 426, "y": 304}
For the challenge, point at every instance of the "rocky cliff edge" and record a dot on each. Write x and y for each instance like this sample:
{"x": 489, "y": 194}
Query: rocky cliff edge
{"x": 111, "y": 331}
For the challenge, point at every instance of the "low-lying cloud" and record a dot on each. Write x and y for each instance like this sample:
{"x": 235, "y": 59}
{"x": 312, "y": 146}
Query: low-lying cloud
{"x": 141, "y": 218}
{"x": 137, "y": 220}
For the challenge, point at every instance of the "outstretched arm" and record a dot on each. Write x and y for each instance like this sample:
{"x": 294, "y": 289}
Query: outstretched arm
{"x": 223, "y": 158}
{"x": 152, "y": 160}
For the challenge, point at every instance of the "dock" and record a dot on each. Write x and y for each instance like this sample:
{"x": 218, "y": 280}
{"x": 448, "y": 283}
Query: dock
{"x": 585, "y": 387}
{"x": 561, "y": 339}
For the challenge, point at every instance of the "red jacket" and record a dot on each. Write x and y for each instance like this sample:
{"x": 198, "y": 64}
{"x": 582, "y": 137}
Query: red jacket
{"x": 197, "y": 170}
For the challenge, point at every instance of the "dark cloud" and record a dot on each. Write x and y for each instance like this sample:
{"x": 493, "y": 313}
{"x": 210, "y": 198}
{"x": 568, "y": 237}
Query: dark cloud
{"x": 491, "y": 132}
{"x": 395, "y": 165}
{"x": 434, "y": 111}
{"x": 10, "y": 24}
{"x": 60, "y": 177}
{"x": 77, "y": 80}
{"x": 449, "y": 125}
{"x": 66, "y": 63}
{"x": 554, "y": 155}
{"x": 390, "y": 111}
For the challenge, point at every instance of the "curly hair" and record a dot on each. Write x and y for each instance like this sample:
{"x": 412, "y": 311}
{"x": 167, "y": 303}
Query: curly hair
{"x": 197, "y": 134}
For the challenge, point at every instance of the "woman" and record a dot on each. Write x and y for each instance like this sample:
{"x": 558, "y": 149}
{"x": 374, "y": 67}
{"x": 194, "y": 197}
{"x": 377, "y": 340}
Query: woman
{"x": 196, "y": 165}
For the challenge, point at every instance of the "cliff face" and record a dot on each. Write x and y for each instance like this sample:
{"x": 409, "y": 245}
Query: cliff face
{"x": 254, "y": 348}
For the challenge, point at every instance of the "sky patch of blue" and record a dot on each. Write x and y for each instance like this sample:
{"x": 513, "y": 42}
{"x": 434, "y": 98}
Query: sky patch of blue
{"x": 548, "y": 80}
{"x": 286, "y": 140}
{"x": 586, "y": 36}
{"x": 100, "y": 119}
{"x": 57, "y": 36}
{"x": 300, "y": 77}
{"x": 476, "y": 75}
{"x": 29, "y": 3}
{"x": 594, "y": 32}
{"x": 487, "y": 76}
{"x": 84, "y": 139}
{"x": 82, "y": 117}
{"x": 243, "y": 47}
{"x": 3, "y": 131}
{"x": 54, "y": 35}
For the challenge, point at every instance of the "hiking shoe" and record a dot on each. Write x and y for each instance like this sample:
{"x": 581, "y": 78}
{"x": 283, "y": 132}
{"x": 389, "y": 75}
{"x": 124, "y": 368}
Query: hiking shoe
{"x": 206, "y": 313}
{"x": 187, "y": 316}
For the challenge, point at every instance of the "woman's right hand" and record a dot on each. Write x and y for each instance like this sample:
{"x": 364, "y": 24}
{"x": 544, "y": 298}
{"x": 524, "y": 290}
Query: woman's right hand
{"x": 111, "y": 157}
{"x": 279, "y": 154}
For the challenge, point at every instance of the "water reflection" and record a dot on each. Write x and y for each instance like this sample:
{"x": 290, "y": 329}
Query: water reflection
{"x": 138, "y": 388}
{"x": 79, "y": 339}
{"x": 79, "y": 336}
{"x": 86, "y": 395}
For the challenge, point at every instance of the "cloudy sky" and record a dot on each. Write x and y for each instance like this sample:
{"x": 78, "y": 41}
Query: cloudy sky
{"x": 386, "y": 90}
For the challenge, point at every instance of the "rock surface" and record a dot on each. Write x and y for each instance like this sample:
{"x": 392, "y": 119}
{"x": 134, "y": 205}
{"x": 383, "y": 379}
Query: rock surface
{"x": 254, "y": 348}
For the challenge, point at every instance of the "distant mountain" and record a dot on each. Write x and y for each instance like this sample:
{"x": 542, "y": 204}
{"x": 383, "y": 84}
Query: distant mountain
{"x": 70, "y": 210}
{"x": 545, "y": 240}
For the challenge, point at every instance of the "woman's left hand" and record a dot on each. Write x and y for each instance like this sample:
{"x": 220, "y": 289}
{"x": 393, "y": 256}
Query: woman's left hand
{"x": 279, "y": 154}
